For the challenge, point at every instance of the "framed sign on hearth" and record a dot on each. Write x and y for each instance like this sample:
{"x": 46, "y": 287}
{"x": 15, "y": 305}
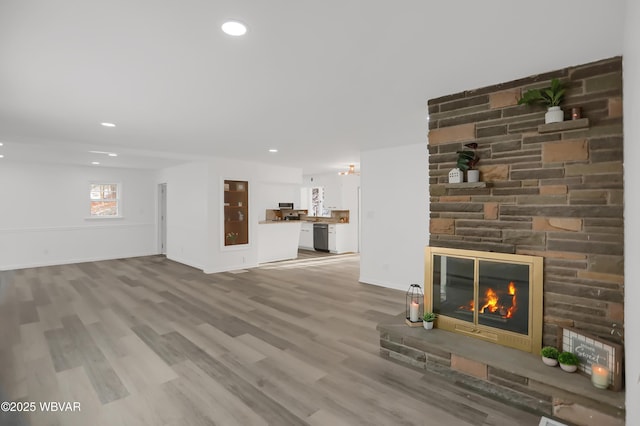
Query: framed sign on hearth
{"x": 592, "y": 350}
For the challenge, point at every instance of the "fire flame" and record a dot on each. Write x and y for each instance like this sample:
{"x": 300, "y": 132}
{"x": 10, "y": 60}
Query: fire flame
{"x": 514, "y": 306}
{"x": 492, "y": 302}
{"x": 491, "y": 299}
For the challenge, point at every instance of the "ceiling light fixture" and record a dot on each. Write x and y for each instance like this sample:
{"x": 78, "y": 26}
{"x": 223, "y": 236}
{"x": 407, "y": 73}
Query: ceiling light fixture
{"x": 105, "y": 124}
{"x": 1, "y": 156}
{"x": 95, "y": 163}
{"x": 273, "y": 150}
{"x": 1, "y": 144}
{"x": 110, "y": 154}
{"x": 351, "y": 171}
{"x": 234, "y": 28}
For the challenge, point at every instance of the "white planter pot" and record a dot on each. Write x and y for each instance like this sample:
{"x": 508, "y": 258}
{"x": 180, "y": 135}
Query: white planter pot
{"x": 427, "y": 325}
{"x": 569, "y": 368}
{"x": 473, "y": 175}
{"x": 554, "y": 115}
{"x": 550, "y": 361}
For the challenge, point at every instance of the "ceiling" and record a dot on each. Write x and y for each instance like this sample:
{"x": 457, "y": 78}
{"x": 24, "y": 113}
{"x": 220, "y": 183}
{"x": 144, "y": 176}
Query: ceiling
{"x": 320, "y": 81}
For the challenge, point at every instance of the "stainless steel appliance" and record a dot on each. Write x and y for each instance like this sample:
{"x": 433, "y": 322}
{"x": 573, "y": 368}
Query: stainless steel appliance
{"x": 321, "y": 236}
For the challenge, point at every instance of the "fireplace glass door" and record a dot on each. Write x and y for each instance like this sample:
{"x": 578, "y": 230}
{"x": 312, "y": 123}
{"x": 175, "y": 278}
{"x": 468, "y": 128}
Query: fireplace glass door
{"x": 453, "y": 287}
{"x": 503, "y": 296}
{"x": 492, "y": 296}
{"x": 499, "y": 300}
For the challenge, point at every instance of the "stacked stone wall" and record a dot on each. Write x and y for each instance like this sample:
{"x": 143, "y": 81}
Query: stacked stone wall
{"x": 554, "y": 190}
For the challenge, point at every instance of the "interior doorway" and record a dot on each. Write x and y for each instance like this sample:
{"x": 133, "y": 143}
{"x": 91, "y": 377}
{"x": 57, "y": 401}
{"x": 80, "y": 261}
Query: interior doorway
{"x": 162, "y": 218}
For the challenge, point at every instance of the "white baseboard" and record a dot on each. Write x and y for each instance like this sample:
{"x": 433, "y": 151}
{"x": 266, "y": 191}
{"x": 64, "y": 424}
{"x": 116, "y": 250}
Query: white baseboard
{"x": 40, "y": 264}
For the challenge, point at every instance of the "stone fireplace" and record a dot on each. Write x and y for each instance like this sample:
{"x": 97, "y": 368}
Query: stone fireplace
{"x": 495, "y": 297}
{"x": 549, "y": 190}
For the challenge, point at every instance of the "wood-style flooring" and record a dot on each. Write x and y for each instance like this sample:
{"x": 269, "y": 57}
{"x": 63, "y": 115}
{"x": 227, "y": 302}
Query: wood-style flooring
{"x": 148, "y": 341}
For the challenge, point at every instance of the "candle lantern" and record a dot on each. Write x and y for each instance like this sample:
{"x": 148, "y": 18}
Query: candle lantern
{"x": 600, "y": 376}
{"x": 415, "y": 306}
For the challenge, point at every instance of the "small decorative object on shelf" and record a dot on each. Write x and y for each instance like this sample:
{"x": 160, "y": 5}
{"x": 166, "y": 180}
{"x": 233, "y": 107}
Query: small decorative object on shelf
{"x": 600, "y": 376}
{"x": 568, "y": 361}
{"x": 550, "y": 356}
{"x": 414, "y": 308}
{"x": 232, "y": 237}
{"x": 427, "y": 320}
{"x": 455, "y": 176}
{"x": 467, "y": 160}
{"x": 576, "y": 113}
{"x": 551, "y": 97}
{"x": 594, "y": 351}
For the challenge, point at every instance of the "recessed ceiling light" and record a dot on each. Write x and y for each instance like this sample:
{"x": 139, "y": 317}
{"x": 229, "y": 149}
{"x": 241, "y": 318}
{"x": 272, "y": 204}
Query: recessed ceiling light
{"x": 273, "y": 150}
{"x": 1, "y": 156}
{"x": 105, "y": 124}
{"x": 110, "y": 154}
{"x": 1, "y": 144}
{"x": 95, "y": 163}
{"x": 234, "y": 28}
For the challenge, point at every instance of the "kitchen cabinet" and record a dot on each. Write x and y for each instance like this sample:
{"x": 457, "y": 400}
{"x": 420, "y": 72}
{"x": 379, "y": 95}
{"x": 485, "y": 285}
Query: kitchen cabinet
{"x": 306, "y": 236}
{"x": 342, "y": 238}
{"x": 332, "y": 239}
{"x": 236, "y": 212}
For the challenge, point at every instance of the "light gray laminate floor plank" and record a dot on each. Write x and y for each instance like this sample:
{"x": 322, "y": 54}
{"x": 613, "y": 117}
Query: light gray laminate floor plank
{"x": 104, "y": 379}
{"x": 148, "y": 341}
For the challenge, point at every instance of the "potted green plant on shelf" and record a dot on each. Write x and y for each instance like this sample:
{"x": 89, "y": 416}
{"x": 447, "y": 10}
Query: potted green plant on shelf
{"x": 427, "y": 320}
{"x": 550, "y": 356}
{"x": 467, "y": 160}
{"x": 568, "y": 361}
{"x": 232, "y": 237}
{"x": 551, "y": 97}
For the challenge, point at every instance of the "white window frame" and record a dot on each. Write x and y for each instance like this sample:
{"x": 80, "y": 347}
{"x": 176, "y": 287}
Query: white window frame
{"x": 118, "y": 200}
{"x": 316, "y": 209}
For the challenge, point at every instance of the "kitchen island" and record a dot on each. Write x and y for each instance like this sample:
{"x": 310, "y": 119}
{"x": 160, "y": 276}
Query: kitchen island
{"x": 278, "y": 240}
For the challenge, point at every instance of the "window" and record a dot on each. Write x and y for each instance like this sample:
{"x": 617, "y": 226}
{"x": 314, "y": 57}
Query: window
{"x": 104, "y": 200}
{"x": 317, "y": 201}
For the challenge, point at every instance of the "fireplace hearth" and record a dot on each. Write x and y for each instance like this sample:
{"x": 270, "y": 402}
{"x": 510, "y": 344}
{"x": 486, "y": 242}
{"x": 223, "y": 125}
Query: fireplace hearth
{"x": 492, "y": 296}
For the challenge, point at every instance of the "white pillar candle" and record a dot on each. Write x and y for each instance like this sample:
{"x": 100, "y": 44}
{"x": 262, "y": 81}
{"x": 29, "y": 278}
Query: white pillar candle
{"x": 413, "y": 311}
{"x": 600, "y": 376}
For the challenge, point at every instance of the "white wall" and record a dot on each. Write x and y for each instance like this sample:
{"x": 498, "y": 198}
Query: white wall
{"x": 268, "y": 185}
{"x": 195, "y": 196}
{"x": 187, "y": 211}
{"x": 395, "y": 215}
{"x": 269, "y": 194}
{"x": 340, "y": 192}
{"x": 45, "y": 209}
{"x": 631, "y": 79}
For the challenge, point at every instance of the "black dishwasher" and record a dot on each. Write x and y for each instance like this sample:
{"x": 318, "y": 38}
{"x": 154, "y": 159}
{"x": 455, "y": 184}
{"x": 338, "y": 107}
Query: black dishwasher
{"x": 321, "y": 236}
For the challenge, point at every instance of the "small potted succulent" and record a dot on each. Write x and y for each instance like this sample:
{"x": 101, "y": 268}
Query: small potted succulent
{"x": 428, "y": 319}
{"x": 467, "y": 160}
{"x": 550, "y": 356}
{"x": 232, "y": 237}
{"x": 568, "y": 361}
{"x": 551, "y": 97}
